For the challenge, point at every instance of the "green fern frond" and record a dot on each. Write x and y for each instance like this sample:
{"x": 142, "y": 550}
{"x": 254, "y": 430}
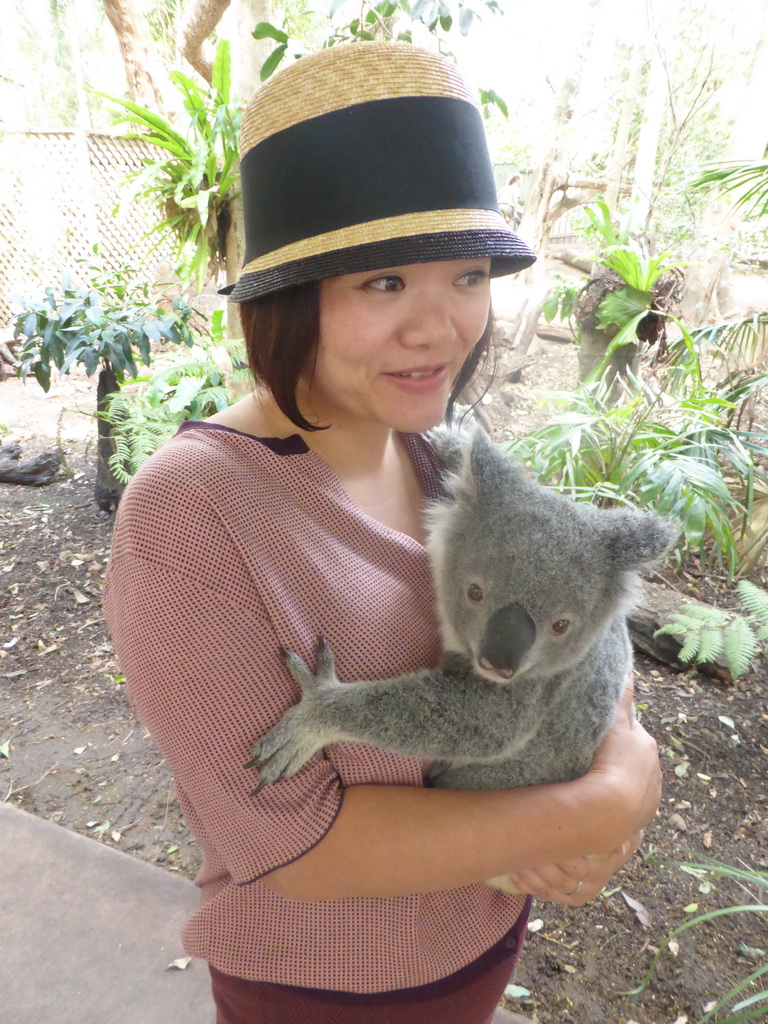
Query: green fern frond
{"x": 707, "y": 614}
{"x": 754, "y": 599}
{"x": 710, "y": 645}
{"x": 739, "y": 646}
{"x": 690, "y": 648}
{"x": 680, "y": 622}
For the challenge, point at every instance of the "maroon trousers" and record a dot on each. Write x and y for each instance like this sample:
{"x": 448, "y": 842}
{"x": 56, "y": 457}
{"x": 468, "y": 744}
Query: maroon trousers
{"x": 469, "y": 996}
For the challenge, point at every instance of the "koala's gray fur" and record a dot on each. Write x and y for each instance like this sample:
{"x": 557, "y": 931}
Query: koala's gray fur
{"x": 532, "y": 593}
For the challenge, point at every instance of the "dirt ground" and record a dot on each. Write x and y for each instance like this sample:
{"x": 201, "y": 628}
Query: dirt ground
{"x": 71, "y": 750}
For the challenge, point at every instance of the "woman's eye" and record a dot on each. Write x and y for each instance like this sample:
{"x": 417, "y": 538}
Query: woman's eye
{"x": 473, "y": 278}
{"x": 389, "y": 283}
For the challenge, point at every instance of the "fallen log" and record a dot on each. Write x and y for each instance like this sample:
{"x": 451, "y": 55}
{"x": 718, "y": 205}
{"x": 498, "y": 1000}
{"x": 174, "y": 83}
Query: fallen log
{"x": 553, "y": 332}
{"x": 34, "y": 472}
{"x": 651, "y": 613}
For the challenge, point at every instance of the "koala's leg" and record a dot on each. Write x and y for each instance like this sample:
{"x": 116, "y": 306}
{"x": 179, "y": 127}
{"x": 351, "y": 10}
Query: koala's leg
{"x": 432, "y": 714}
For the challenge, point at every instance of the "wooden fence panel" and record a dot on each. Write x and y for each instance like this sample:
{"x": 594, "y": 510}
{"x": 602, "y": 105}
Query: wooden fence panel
{"x": 58, "y": 197}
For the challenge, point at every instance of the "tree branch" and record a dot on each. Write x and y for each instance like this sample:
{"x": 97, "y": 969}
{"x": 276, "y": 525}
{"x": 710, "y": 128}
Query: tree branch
{"x": 127, "y": 25}
{"x": 202, "y": 19}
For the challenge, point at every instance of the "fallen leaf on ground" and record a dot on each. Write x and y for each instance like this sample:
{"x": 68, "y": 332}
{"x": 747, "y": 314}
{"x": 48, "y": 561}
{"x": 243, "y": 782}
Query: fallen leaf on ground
{"x": 641, "y": 912}
{"x": 516, "y": 992}
{"x": 180, "y": 965}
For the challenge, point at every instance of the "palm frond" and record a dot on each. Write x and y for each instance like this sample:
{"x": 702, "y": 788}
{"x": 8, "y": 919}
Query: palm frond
{"x": 748, "y": 180}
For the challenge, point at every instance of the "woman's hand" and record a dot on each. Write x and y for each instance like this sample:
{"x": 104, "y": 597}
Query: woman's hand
{"x": 577, "y": 881}
{"x": 627, "y": 764}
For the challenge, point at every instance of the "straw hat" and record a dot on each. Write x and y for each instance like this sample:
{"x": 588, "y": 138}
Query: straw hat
{"x": 361, "y": 157}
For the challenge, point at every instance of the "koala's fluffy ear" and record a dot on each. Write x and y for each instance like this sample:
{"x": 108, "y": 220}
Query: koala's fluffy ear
{"x": 494, "y": 472}
{"x": 452, "y": 444}
{"x": 635, "y": 540}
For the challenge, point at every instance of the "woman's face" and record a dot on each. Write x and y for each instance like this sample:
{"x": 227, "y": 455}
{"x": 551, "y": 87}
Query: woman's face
{"x": 392, "y": 341}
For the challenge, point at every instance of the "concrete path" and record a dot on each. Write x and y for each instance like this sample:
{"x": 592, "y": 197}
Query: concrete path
{"x": 87, "y": 932}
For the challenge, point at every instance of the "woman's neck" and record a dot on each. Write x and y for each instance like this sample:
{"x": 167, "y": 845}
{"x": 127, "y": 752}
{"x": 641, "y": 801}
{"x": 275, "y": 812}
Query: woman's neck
{"x": 369, "y": 461}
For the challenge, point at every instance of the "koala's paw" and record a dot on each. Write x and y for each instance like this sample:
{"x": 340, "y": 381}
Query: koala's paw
{"x": 282, "y": 751}
{"x": 288, "y": 746}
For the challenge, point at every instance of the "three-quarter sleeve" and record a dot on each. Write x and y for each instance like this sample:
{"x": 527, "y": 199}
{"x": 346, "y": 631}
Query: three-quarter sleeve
{"x": 205, "y": 676}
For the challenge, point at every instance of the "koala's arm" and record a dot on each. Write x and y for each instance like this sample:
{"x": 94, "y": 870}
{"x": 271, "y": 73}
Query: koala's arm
{"x": 434, "y": 714}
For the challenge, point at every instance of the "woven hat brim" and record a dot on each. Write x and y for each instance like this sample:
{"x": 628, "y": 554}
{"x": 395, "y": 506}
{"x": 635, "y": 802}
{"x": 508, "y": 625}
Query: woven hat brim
{"x": 508, "y": 252}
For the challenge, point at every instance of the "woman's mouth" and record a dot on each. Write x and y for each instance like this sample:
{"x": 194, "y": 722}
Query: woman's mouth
{"x": 420, "y": 381}
{"x": 417, "y": 374}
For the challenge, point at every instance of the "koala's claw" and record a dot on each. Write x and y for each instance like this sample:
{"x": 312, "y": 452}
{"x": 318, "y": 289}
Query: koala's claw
{"x": 309, "y": 681}
{"x": 326, "y": 666}
{"x": 282, "y": 751}
{"x": 299, "y": 669}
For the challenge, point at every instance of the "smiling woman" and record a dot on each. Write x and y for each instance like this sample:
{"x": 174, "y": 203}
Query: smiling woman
{"x": 352, "y": 892}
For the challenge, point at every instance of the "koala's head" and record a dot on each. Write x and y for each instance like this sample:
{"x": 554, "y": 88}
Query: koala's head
{"x": 525, "y": 577}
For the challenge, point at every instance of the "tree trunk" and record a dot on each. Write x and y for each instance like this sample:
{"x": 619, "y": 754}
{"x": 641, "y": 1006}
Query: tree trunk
{"x": 595, "y": 340}
{"x": 594, "y": 344}
{"x": 126, "y": 22}
{"x": 648, "y": 141}
{"x": 620, "y": 157}
{"x": 248, "y": 55}
{"x": 108, "y": 490}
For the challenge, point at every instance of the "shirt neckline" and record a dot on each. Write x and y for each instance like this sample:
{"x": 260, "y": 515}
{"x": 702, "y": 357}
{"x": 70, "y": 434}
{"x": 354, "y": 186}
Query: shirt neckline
{"x": 294, "y": 444}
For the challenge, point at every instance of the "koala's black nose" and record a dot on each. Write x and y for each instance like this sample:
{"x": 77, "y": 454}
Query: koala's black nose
{"x": 509, "y": 636}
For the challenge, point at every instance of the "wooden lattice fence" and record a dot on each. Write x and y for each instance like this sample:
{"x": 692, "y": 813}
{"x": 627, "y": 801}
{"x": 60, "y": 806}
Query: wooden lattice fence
{"x": 58, "y": 194}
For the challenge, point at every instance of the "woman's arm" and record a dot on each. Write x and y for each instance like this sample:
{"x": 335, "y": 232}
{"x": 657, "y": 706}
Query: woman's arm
{"x": 392, "y": 841}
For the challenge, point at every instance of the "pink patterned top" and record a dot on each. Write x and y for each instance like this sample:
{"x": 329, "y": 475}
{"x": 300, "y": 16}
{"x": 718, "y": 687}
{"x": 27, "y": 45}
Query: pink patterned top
{"x": 226, "y": 548}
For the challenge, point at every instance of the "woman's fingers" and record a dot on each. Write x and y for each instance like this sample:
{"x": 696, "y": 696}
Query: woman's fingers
{"x": 576, "y": 881}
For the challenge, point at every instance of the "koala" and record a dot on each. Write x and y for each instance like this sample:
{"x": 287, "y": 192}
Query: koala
{"x": 532, "y": 590}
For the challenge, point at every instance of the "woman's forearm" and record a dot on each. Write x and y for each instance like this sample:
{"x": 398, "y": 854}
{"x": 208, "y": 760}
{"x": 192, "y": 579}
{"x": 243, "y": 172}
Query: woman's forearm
{"x": 398, "y": 840}
{"x": 394, "y": 840}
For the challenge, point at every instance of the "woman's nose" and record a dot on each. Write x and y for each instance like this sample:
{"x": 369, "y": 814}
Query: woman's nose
{"x": 429, "y": 323}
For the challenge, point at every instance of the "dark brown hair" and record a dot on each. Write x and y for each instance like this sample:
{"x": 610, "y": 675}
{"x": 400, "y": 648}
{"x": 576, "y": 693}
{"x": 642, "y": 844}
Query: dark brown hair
{"x": 282, "y": 331}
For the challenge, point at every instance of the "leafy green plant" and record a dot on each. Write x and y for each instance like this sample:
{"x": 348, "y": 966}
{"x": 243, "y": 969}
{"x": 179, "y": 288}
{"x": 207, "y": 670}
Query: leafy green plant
{"x": 747, "y": 181}
{"x": 143, "y": 420}
{"x": 637, "y": 303}
{"x": 196, "y": 180}
{"x": 673, "y": 453}
{"x": 735, "y": 1007}
{"x": 109, "y": 322}
{"x": 105, "y": 325}
{"x": 738, "y": 343}
{"x": 560, "y": 301}
{"x": 709, "y": 632}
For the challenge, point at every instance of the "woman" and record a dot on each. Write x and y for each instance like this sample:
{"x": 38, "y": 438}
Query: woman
{"x": 349, "y": 893}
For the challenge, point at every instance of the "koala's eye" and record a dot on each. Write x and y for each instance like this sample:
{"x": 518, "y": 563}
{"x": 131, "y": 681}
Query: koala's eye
{"x": 474, "y": 592}
{"x": 560, "y": 626}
